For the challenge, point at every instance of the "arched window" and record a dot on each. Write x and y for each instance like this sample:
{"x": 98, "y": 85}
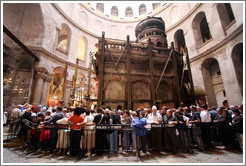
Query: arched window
{"x": 82, "y": 48}
{"x": 129, "y": 12}
{"x": 225, "y": 13}
{"x": 142, "y": 9}
{"x": 214, "y": 69}
{"x": 205, "y": 32}
{"x": 179, "y": 40}
{"x": 201, "y": 29}
{"x": 64, "y": 37}
{"x": 156, "y": 5}
{"x": 114, "y": 11}
{"x": 100, "y": 7}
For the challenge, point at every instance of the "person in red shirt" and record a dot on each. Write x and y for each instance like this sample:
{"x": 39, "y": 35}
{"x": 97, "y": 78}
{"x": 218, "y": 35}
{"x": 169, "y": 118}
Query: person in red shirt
{"x": 76, "y": 120}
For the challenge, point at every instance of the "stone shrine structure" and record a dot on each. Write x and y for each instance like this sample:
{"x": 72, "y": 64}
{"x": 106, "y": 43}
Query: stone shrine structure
{"x": 142, "y": 73}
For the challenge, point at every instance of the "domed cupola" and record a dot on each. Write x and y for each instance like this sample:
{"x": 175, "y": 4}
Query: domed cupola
{"x": 153, "y": 28}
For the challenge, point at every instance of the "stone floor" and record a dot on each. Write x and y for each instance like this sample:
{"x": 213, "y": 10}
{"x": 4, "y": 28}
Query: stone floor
{"x": 218, "y": 155}
{"x": 15, "y": 155}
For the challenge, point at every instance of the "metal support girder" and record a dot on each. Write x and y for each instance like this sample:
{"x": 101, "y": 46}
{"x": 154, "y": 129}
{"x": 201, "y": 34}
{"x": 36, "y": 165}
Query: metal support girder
{"x": 164, "y": 69}
{"x": 23, "y": 46}
{"x": 115, "y": 65}
{"x": 129, "y": 93}
{"x": 150, "y": 53}
{"x": 190, "y": 76}
{"x": 101, "y": 71}
{"x": 176, "y": 76}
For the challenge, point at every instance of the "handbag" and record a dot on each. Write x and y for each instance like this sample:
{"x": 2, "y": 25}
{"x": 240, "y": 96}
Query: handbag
{"x": 100, "y": 120}
{"x": 72, "y": 122}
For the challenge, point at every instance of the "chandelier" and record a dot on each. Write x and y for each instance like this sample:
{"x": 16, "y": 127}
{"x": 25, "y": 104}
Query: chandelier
{"x": 18, "y": 88}
{"x": 9, "y": 76}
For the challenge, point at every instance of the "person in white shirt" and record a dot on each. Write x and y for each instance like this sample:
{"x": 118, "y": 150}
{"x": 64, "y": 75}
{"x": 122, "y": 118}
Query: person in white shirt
{"x": 154, "y": 117}
{"x": 15, "y": 113}
{"x": 154, "y": 135}
{"x": 63, "y": 137}
{"x": 89, "y": 133}
{"x": 205, "y": 129}
{"x": 205, "y": 115}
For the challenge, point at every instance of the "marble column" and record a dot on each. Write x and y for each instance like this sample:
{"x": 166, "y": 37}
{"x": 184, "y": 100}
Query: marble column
{"x": 38, "y": 88}
{"x": 67, "y": 93}
{"x": 46, "y": 90}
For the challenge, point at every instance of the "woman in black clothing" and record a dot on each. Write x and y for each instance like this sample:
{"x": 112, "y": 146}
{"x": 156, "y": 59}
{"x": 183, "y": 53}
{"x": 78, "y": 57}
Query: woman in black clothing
{"x": 101, "y": 139}
{"x": 24, "y": 129}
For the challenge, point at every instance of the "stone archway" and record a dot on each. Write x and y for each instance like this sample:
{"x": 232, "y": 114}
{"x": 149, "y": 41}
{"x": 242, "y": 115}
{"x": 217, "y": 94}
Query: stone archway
{"x": 213, "y": 82}
{"x": 237, "y": 59}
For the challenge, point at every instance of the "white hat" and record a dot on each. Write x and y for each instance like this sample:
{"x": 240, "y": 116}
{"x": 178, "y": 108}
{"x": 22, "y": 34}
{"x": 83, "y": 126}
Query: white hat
{"x": 154, "y": 107}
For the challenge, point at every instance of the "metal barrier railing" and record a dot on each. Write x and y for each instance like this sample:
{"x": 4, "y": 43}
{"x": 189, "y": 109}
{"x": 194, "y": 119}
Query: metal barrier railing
{"x": 105, "y": 137}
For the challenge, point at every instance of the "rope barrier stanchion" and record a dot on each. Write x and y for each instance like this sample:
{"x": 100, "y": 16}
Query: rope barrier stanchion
{"x": 191, "y": 135}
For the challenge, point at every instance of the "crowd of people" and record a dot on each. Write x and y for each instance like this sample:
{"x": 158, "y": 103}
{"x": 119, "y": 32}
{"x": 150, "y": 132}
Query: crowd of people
{"x": 183, "y": 128}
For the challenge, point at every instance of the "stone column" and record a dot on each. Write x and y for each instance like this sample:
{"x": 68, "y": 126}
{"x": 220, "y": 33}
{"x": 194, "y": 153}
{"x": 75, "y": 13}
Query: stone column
{"x": 67, "y": 93}
{"x": 38, "y": 88}
{"x": 46, "y": 90}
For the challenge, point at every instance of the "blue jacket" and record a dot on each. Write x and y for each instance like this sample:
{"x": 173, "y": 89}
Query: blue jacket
{"x": 142, "y": 131}
{"x": 213, "y": 114}
{"x": 134, "y": 121}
